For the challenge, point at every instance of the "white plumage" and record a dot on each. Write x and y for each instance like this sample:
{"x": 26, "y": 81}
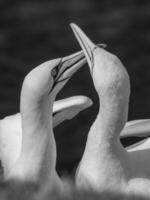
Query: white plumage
{"x": 37, "y": 158}
{"x": 106, "y": 164}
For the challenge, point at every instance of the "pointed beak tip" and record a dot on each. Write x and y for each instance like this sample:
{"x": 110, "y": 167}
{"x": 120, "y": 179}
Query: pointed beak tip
{"x": 72, "y": 24}
{"x": 75, "y": 28}
{"x": 86, "y": 44}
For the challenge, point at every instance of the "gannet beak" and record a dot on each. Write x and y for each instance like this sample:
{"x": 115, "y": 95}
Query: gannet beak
{"x": 68, "y": 66}
{"x": 87, "y": 45}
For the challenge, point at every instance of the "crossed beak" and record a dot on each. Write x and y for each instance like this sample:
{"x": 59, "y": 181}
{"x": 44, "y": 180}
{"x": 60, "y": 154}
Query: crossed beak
{"x": 69, "y": 65}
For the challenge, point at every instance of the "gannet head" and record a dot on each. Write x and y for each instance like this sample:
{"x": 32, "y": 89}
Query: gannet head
{"x": 49, "y": 77}
{"x": 106, "y": 69}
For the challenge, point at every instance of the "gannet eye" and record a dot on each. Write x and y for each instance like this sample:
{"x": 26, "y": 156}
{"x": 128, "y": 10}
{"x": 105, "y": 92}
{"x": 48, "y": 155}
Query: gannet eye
{"x": 54, "y": 72}
{"x": 101, "y": 45}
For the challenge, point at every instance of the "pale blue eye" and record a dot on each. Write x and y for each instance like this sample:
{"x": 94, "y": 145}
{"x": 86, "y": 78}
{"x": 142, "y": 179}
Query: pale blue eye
{"x": 54, "y": 72}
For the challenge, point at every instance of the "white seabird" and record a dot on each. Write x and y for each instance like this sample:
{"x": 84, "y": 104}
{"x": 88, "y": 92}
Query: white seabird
{"x": 37, "y": 159}
{"x": 106, "y": 165}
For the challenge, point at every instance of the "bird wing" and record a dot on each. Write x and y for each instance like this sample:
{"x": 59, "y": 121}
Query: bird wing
{"x": 68, "y": 108}
{"x": 136, "y": 128}
{"x": 10, "y": 139}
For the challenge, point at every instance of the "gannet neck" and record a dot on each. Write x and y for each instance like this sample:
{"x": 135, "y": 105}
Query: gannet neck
{"x": 103, "y": 136}
{"x": 113, "y": 88}
{"x": 36, "y": 111}
{"x": 113, "y": 111}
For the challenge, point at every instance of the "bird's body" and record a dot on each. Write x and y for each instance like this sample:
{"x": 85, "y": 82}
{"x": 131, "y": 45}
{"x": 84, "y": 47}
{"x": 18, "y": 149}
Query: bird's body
{"x": 37, "y": 159}
{"x": 11, "y": 130}
{"x": 106, "y": 165}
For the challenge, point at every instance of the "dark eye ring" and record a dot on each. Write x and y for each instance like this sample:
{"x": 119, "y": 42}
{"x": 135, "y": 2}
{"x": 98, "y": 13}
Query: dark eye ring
{"x": 54, "y": 72}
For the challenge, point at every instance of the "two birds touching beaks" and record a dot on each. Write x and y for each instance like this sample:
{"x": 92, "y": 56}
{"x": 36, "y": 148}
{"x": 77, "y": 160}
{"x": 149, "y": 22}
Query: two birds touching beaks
{"x": 27, "y": 143}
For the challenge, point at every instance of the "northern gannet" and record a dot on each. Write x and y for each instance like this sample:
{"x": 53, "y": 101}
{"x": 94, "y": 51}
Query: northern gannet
{"x": 38, "y": 151}
{"x": 106, "y": 165}
{"x": 11, "y": 130}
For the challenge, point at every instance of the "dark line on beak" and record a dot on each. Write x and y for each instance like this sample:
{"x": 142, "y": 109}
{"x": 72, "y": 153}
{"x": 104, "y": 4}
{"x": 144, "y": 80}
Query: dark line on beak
{"x": 60, "y": 65}
{"x": 84, "y": 45}
{"x": 91, "y": 57}
{"x": 62, "y": 62}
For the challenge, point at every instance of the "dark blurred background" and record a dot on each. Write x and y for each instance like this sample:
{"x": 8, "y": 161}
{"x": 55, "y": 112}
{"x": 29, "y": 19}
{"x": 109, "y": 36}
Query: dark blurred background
{"x": 33, "y": 31}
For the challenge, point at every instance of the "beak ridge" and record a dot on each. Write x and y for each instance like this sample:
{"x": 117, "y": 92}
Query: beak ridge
{"x": 86, "y": 44}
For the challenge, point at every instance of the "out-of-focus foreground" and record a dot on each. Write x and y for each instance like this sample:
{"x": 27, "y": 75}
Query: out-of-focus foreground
{"x": 16, "y": 190}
